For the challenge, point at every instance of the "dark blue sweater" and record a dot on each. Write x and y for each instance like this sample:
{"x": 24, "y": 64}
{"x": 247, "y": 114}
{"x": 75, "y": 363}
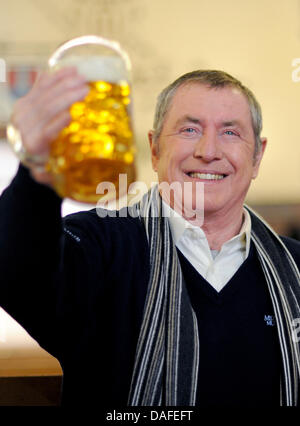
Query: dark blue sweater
{"x": 239, "y": 348}
{"x": 78, "y": 286}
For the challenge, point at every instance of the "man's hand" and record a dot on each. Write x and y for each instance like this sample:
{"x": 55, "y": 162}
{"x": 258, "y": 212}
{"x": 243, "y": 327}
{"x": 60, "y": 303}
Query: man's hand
{"x": 44, "y": 112}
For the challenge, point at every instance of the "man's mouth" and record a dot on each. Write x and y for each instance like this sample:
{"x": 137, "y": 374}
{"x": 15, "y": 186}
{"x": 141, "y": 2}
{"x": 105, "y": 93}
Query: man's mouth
{"x": 206, "y": 176}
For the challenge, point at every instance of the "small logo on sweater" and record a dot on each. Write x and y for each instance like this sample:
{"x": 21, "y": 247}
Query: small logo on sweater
{"x": 270, "y": 320}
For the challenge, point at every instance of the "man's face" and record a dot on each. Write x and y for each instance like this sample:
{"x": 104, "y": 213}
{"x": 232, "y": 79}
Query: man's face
{"x": 208, "y": 137}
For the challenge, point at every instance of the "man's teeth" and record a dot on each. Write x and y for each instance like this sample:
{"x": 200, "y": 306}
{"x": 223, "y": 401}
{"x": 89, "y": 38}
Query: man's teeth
{"x": 206, "y": 176}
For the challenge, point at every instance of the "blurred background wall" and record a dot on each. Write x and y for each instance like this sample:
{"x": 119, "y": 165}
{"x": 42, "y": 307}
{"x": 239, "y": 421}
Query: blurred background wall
{"x": 257, "y": 41}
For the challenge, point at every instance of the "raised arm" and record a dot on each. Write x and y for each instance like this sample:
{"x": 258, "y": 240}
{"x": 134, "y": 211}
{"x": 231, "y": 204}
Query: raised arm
{"x": 31, "y": 231}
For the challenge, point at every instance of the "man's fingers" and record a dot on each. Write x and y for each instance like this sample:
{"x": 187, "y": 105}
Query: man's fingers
{"x": 53, "y": 106}
{"x": 51, "y": 131}
{"x": 40, "y": 102}
{"x": 45, "y": 111}
{"x": 55, "y": 126}
{"x": 53, "y": 111}
{"x": 35, "y": 126}
{"x": 47, "y": 79}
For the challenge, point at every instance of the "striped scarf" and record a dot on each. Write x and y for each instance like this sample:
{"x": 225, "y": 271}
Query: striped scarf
{"x": 167, "y": 355}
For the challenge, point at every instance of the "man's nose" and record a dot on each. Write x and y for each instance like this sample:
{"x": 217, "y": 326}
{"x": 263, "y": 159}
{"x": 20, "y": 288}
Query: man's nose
{"x": 208, "y": 147}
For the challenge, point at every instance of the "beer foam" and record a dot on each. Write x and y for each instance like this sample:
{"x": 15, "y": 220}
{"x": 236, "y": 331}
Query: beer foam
{"x": 95, "y": 68}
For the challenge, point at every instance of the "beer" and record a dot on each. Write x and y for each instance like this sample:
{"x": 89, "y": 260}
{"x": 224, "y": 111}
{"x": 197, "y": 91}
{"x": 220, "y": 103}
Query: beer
{"x": 98, "y": 144}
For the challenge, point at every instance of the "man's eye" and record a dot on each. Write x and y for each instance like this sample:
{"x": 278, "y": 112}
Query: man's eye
{"x": 230, "y": 133}
{"x": 189, "y": 130}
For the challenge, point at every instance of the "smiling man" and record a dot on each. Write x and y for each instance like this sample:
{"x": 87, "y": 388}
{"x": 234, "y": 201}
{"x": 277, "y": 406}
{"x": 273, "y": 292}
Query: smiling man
{"x": 152, "y": 306}
{"x": 208, "y": 137}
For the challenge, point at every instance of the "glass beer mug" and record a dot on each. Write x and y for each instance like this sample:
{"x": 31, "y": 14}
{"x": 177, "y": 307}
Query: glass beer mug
{"x": 97, "y": 146}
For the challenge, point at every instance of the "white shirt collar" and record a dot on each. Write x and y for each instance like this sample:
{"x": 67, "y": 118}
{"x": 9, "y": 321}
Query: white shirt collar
{"x": 178, "y": 226}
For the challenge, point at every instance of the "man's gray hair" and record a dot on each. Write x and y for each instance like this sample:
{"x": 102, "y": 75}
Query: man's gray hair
{"x": 212, "y": 79}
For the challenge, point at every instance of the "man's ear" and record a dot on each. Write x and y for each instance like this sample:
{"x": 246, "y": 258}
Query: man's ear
{"x": 154, "y": 149}
{"x": 258, "y": 157}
